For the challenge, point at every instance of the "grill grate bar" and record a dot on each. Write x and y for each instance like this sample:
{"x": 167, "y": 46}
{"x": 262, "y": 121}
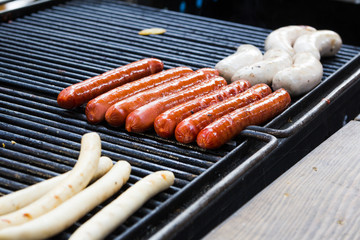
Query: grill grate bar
{"x": 48, "y": 146}
{"x": 102, "y": 51}
{"x": 194, "y": 30}
{"x": 72, "y": 39}
{"x": 73, "y": 23}
{"x": 88, "y": 41}
{"x": 40, "y": 65}
{"x": 50, "y": 157}
{"x": 16, "y": 78}
{"x": 30, "y": 159}
{"x": 129, "y": 156}
{"x": 48, "y": 108}
{"x": 19, "y": 176}
{"x": 8, "y": 185}
{"x": 29, "y": 73}
{"x": 33, "y": 112}
{"x": 65, "y": 52}
{"x": 32, "y": 172}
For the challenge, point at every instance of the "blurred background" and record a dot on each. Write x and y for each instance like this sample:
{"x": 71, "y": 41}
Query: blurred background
{"x": 342, "y": 16}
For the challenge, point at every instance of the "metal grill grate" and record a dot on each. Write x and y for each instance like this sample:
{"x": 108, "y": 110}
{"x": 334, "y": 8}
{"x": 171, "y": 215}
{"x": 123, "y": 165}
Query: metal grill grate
{"x": 46, "y": 51}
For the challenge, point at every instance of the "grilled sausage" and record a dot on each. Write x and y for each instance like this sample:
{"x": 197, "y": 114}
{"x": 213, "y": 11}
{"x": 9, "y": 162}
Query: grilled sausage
{"x": 143, "y": 118}
{"x": 96, "y": 108}
{"x": 166, "y": 122}
{"x": 187, "y": 130}
{"x": 79, "y": 93}
{"x": 264, "y": 71}
{"x": 245, "y": 55}
{"x": 284, "y": 37}
{"x": 78, "y": 178}
{"x": 116, "y": 212}
{"x": 73, "y": 209}
{"x": 225, "y": 128}
{"x": 117, "y": 113}
{"x": 19, "y": 199}
{"x": 321, "y": 43}
{"x": 301, "y": 77}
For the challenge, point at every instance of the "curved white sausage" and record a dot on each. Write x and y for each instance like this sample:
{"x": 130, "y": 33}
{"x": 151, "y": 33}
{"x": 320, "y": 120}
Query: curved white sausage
{"x": 284, "y": 37}
{"x": 73, "y": 209}
{"x": 78, "y": 178}
{"x": 245, "y": 55}
{"x": 116, "y": 212}
{"x": 322, "y": 43}
{"x": 23, "y": 197}
{"x": 300, "y": 78}
{"x": 264, "y": 71}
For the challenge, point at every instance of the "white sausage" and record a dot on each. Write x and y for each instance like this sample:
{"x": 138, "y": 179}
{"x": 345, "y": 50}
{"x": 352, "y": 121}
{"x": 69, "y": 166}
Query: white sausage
{"x": 322, "y": 43}
{"x": 284, "y": 37}
{"x": 23, "y": 197}
{"x": 73, "y": 209}
{"x": 78, "y": 178}
{"x": 116, "y": 212}
{"x": 245, "y": 55}
{"x": 303, "y": 76}
{"x": 264, "y": 71}
{"x": 105, "y": 164}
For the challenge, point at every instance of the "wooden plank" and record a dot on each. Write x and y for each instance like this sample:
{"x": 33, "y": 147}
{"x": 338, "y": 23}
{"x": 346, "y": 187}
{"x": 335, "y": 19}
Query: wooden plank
{"x": 318, "y": 198}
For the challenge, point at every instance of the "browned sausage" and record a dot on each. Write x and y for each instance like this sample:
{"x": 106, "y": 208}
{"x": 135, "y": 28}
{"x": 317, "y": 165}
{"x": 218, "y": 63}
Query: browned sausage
{"x": 143, "y": 118}
{"x": 96, "y": 108}
{"x": 187, "y": 130}
{"x": 225, "y": 128}
{"x": 117, "y": 113}
{"x": 79, "y": 93}
{"x": 166, "y": 122}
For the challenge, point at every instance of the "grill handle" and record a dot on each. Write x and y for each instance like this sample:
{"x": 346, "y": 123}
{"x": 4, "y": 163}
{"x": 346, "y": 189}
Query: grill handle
{"x": 313, "y": 113}
{"x": 171, "y": 229}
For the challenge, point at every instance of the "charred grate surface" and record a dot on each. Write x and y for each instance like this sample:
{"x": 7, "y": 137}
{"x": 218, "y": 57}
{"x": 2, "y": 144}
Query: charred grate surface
{"x": 51, "y": 49}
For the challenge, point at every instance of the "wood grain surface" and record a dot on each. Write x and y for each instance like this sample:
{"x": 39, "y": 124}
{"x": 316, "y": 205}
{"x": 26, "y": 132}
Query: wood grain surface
{"x": 318, "y": 198}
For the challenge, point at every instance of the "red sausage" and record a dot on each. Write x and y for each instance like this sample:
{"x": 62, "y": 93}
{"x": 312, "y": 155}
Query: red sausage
{"x": 79, "y": 93}
{"x": 117, "y": 113}
{"x": 96, "y": 108}
{"x": 166, "y": 122}
{"x": 225, "y": 128}
{"x": 143, "y": 118}
{"x": 187, "y": 130}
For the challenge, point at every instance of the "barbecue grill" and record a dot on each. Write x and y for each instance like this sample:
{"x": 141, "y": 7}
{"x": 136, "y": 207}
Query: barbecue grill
{"x": 57, "y": 45}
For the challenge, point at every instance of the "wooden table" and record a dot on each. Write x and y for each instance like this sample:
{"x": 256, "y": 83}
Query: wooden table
{"x": 318, "y": 198}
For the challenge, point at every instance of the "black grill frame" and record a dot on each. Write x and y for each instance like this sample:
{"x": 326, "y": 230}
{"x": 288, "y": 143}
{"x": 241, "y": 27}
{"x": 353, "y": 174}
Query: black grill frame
{"x": 76, "y": 56}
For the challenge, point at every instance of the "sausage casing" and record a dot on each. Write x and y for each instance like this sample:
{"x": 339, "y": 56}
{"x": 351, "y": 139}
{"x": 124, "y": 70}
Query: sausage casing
{"x": 225, "y": 128}
{"x": 305, "y": 74}
{"x": 274, "y": 60}
{"x": 166, "y": 122}
{"x": 321, "y": 43}
{"x": 96, "y": 108}
{"x": 245, "y": 55}
{"x": 187, "y": 130}
{"x": 79, "y": 93}
{"x": 284, "y": 37}
{"x": 117, "y": 113}
{"x": 143, "y": 118}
